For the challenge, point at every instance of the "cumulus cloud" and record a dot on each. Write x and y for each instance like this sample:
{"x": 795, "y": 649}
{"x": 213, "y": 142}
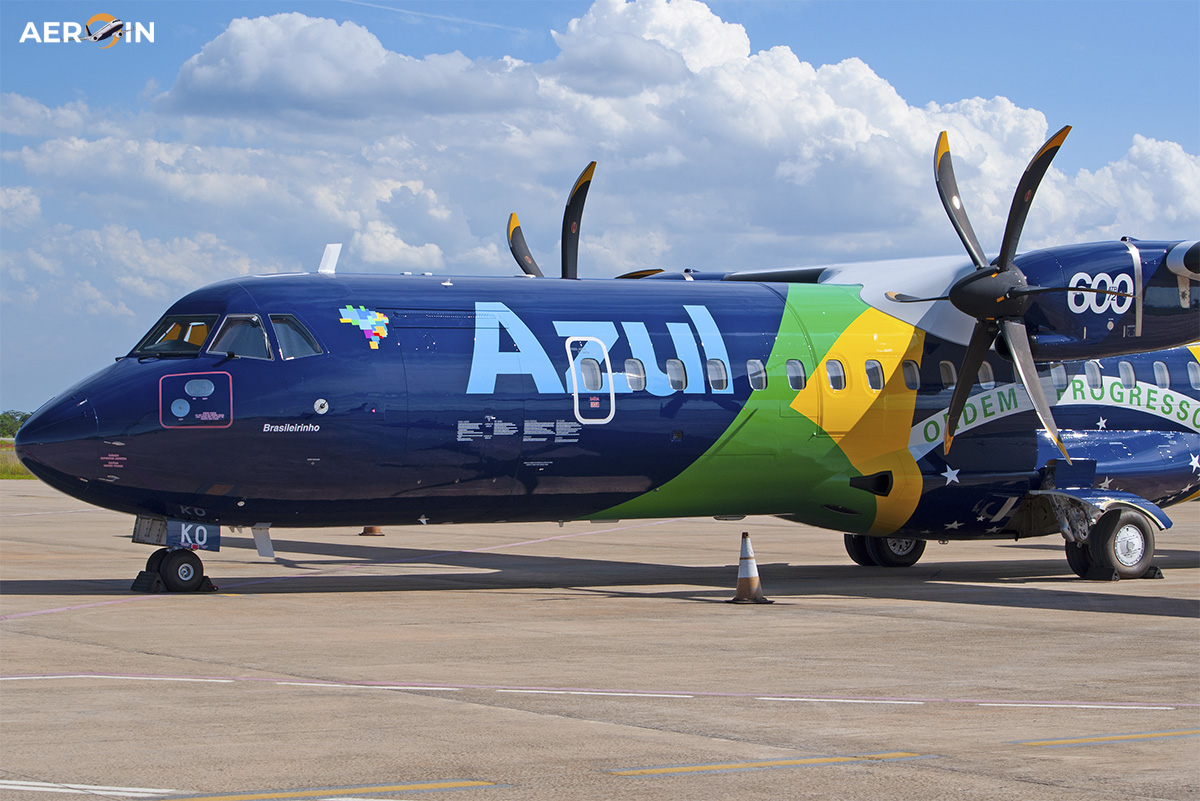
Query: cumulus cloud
{"x": 292, "y": 63}
{"x": 20, "y": 207}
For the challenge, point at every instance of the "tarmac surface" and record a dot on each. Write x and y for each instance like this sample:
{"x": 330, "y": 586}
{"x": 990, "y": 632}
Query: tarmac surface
{"x": 588, "y": 661}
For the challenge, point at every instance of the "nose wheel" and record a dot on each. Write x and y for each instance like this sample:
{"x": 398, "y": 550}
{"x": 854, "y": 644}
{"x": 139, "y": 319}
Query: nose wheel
{"x": 173, "y": 570}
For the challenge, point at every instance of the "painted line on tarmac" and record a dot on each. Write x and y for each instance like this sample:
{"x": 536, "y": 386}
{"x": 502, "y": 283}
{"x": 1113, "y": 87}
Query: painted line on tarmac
{"x": 83, "y": 789}
{"x": 331, "y": 793}
{"x": 1110, "y": 738}
{"x": 1031, "y": 705}
{"x": 613, "y": 692}
{"x": 724, "y": 767}
{"x": 594, "y": 692}
{"x": 839, "y": 700}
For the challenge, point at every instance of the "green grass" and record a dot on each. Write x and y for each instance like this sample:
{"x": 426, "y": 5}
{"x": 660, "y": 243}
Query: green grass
{"x": 10, "y": 467}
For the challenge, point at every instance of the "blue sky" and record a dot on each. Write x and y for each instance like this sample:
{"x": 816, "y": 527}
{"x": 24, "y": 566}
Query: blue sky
{"x": 761, "y": 133}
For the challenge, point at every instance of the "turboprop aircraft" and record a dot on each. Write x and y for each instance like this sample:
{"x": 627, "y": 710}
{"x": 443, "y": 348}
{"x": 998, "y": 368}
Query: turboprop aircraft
{"x": 1055, "y": 392}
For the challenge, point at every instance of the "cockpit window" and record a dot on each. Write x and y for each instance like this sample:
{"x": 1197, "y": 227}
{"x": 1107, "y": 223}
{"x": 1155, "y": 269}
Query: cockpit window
{"x": 242, "y": 335}
{"x": 176, "y": 335}
{"x": 295, "y": 341}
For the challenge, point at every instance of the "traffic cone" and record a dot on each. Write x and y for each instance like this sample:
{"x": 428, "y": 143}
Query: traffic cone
{"x": 371, "y": 531}
{"x": 748, "y": 589}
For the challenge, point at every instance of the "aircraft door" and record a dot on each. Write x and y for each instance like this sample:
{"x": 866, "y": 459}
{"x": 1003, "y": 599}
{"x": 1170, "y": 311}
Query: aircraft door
{"x": 592, "y": 392}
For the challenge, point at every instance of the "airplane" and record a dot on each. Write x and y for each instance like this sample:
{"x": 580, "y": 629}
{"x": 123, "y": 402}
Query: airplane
{"x": 1052, "y": 392}
{"x": 113, "y": 27}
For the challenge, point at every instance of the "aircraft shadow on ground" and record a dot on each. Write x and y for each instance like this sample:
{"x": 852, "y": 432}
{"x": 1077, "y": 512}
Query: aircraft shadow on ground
{"x": 1030, "y": 584}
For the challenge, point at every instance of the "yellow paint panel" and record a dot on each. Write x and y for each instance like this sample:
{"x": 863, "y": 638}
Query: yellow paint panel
{"x": 872, "y": 426}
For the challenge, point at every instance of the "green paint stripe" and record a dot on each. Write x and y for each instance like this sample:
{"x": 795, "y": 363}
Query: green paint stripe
{"x": 774, "y": 763}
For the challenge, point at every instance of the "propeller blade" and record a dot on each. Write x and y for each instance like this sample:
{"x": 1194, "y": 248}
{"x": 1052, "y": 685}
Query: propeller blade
{"x": 943, "y": 175}
{"x": 981, "y": 342}
{"x": 571, "y": 219}
{"x": 900, "y": 297}
{"x": 520, "y": 250}
{"x": 1018, "y": 345}
{"x": 1026, "y": 188}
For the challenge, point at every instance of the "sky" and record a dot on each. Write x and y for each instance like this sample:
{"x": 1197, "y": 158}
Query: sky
{"x": 733, "y": 135}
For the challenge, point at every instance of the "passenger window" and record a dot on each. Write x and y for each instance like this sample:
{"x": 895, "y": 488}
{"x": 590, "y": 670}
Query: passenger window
{"x": 874, "y": 375}
{"x": 987, "y": 378}
{"x": 912, "y": 374}
{"x": 1058, "y": 376}
{"x": 592, "y": 378}
{"x": 836, "y": 373}
{"x": 178, "y": 334}
{"x": 635, "y": 374}
{"x": 676, "y": 374}
{"x": 1194, "y": 375}
{"x": 1162, "y": 376}
{"x": 797, "y": 379}
{"x": 718, "y": 376}
{"x": 1091, "y": 371}
{"x": 241, "y": 335}
{"x": 1128, "y": 379}
{"x": 949, "y": 375}
{"x": 295, "y": 342}
{"x": 757, "y": 374}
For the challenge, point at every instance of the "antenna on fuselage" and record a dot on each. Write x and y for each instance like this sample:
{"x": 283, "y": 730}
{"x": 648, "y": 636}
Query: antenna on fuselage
{"x": 330, "y": 259}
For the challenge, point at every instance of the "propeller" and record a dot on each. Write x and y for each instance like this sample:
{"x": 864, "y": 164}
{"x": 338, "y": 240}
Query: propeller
{"x": 996, "y": 294}
{"x": 572, "y": 216}
{"x": 520, "y": 250}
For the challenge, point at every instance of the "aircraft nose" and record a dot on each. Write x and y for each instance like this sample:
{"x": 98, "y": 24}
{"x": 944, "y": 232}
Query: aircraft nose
{"x": 60, "y": 441}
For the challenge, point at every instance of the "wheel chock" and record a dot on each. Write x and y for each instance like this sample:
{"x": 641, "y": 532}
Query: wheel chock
{"x": 148, "y": 581}
{"x": 206, "y": 585}
{"x": 749, "y": 591}
{"x": 1153, "y": 572}
{"x": 1098, "y": 573}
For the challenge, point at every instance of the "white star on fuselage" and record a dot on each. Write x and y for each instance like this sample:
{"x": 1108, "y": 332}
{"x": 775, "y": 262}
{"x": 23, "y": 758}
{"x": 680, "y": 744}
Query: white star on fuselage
{"x": 955, "y": 525}
{"x": 951, "y": 475}
{"x": 1105, "y": 484}
{"x": 1194, "y": 463}
{"x": 1102, "y": 425}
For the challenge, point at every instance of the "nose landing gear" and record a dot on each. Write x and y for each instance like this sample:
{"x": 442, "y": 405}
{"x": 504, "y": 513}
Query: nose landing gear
{"x": 173, "y": 570}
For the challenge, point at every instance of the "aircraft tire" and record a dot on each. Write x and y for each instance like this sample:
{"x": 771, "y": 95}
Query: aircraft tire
{"x": 894, "y": 551}
{"x": 1123, "y": 541}
{"x": 181, "y": 571}
{"x": 1079, "y": 558}
{"x": 155, "y": 560}
{"x": 856, "y": 548}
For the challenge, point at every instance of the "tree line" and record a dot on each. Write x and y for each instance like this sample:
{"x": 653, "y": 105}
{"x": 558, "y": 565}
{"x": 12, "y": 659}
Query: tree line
{"x": 10, "y": 421}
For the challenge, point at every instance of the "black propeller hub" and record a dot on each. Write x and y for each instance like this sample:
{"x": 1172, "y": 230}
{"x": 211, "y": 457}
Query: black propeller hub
{"x": 991, "y": 294}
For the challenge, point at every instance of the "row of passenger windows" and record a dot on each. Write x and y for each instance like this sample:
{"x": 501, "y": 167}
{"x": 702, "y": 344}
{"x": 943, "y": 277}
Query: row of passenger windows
{"x": 1058, "y": 375}
{"x": 797, "y": 377}
{"x": 718, "y": 374}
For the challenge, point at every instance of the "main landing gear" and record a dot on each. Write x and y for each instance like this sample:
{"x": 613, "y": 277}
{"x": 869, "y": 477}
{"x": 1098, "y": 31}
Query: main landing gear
{"x": 884, "y": 551}
{"x": 173, "y": 570}
{"x": 1119, "y": 546}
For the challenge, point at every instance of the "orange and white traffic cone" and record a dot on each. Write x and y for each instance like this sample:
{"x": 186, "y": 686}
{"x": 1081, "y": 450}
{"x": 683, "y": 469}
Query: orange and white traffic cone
{"x": 748, "y": 589}
{"x": 371, "y": 531}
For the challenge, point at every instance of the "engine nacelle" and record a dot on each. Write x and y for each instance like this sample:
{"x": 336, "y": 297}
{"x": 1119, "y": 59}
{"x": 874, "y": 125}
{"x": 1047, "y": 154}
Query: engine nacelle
{"x": 1161, "y": 309}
